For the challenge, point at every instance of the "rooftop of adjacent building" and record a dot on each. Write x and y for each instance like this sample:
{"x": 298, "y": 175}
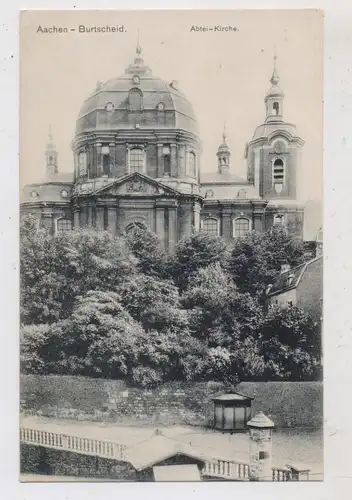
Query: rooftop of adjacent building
{"x": 290, "y": 278}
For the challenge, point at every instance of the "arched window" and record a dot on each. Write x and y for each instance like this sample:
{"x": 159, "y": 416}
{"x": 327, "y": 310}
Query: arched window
{"x": 63, "y": 224}
{"x": 276, "y": 108}
{"x": 167, "y": 164}
{"x": 136, "y": 100}
{"x": 133, "y": 226}
{"x": 278, "y": 174}
{"x": 211, "y": 225}
{"x": 136, "y": 160}
{"x": 82, "y": 163}
{"x": 209, "y": 193}
{"x": 191, "y": 164}
{"x": 242, "y": 226}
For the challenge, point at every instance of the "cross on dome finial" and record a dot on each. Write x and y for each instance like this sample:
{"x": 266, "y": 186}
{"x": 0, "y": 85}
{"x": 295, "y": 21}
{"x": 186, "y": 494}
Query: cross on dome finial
{"x": 274, "y": 80}
{"x": 138, "y": 47}
{"x": 224, "y": 134}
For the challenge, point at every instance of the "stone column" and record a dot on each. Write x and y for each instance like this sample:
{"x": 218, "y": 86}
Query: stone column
{"x": 182, "y": 160}
{"x": 226, "y": 223}
{"x": 99, "y": 166}
{"x": 112, "y": 218}
{"x": 173, "y": 160}
{"x": 76, "y": 217}
{"x": 99, "y": 220}
{"x": 196, "y": 217}
{"x": 173, "y": 233}
{"x": 160, "y": 224}
{"x": 160, "y": 169}
{"x": 260, "y": 448}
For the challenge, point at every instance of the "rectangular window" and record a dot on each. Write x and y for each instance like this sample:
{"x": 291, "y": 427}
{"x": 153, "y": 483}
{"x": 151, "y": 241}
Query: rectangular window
{"x": 191, "y": 165}
{"x": 136, "y": 160}
{"x": 82, "y": 163}
{"x": 241, "y": 227}
{"x": 210, "y": 225}
{"x": 64, "y": 225}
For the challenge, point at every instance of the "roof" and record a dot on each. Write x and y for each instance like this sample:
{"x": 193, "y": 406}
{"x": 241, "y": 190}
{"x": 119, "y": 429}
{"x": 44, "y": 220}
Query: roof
{"x": 221, "y": 178}
{"x": 178, "y": 112}
{"x": 177, "y": 473}
{"x": 231, "y": 396}
{"x": 261, "y": 421}
{"x": 159, "y": 448}
{"x": 266, "y": 129}
{"x": 54, "y": 189}
{"x": 290, "y": 279}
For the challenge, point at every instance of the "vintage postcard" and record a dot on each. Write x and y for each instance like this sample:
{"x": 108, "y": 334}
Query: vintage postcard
{"x": 171, "y": 245}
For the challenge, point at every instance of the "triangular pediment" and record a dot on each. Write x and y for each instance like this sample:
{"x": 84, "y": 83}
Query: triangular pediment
{"x": 136, "y": 184}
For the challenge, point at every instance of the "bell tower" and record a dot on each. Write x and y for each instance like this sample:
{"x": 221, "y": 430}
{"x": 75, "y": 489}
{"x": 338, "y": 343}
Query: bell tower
{"x": 51, "y": 156}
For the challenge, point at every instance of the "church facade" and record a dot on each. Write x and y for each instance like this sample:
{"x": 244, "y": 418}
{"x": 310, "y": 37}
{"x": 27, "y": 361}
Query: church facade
{"x": 136, "y": 154}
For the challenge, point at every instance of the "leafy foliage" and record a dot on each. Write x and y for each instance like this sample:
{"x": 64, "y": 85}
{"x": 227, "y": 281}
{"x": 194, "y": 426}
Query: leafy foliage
{"x": 255, "y": 260}
{"x": 111, "y": 307}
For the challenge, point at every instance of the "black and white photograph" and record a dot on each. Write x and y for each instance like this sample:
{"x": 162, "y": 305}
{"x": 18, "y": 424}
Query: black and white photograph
{"x": 171, "y": 246}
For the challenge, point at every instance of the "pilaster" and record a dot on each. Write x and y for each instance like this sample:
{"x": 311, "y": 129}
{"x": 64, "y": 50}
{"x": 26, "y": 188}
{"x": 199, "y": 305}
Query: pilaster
{"x": 173, "y": 160}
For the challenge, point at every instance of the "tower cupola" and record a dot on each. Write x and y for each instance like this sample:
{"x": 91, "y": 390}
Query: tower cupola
{"x": 51, "y": 156}
{"x": 223, "y": 155}
{"x": 274, "y": 98}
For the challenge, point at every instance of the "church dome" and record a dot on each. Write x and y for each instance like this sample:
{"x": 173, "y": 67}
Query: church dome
{"x": 157, "y": 104}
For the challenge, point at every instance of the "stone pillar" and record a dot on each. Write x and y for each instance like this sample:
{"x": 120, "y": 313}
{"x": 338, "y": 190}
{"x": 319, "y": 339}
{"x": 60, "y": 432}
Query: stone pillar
{"x": 258, "y": 220}
{"x": 160, "y": 224}
{"x": 112, "y": 170}
{"x": 160, "y": 166}
{"x": 76, "y": 217}
{"x": 89, "y": 215}
{"x": 173, "y": 233}
{"x": 173, "y": 160}
{"x": 260, "y": 448}
{"x": 186, "y": 218}
{"x": 112, "y": 218}
{"x": 99, "y": 166}
{"x": 196, "y": 216}
{"x": 226, "y": 223}
{"x": 99, "y": 217}
{"x": 47, "y": 221}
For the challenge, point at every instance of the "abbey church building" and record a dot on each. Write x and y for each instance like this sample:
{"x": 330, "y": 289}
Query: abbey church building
{"x": 137, "y": 161}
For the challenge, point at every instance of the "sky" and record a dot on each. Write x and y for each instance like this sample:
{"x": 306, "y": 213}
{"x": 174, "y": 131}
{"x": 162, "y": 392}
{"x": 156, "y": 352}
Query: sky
{"x": 225, "y": 75}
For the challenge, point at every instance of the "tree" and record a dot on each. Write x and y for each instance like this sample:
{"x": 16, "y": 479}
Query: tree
{"x": 146, "y": 246}
{"x": 290, "y": 344}
{"x": 255, "y": 260}
{"x": 154, "y": 302}
{"x": 193, "y": 253}
{"x": 55, "y": 269}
